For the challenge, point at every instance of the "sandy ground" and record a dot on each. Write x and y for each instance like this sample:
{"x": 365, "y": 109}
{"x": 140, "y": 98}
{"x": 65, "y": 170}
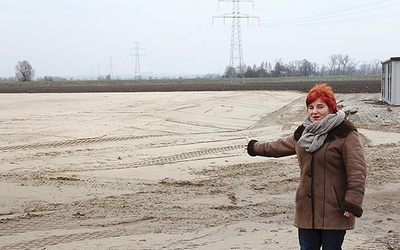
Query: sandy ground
{"x": 170, "y": 171}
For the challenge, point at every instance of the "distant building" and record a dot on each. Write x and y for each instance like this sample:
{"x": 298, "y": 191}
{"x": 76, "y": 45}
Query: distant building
{"x": 390, "y": 88}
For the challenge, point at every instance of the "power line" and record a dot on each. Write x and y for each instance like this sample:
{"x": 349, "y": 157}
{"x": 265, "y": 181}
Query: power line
{"x": 316, "y": 19}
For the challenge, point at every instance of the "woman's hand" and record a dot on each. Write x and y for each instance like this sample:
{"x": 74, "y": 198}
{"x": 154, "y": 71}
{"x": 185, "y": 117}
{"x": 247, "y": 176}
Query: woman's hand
{"x": 247, "y": 142}
{"x": 348, "y": 214}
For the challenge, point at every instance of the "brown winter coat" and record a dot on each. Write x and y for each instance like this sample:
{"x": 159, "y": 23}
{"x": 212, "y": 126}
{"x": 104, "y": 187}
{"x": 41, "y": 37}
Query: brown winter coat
{"x": 332, "y": 179}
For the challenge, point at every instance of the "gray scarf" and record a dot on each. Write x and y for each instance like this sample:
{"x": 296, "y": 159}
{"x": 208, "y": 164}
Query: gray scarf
{"x": 315, "y": 133}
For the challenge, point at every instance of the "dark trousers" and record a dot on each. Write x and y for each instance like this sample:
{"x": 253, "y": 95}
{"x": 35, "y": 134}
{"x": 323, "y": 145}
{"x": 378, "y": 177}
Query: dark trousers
{"x": 312, "y": 239}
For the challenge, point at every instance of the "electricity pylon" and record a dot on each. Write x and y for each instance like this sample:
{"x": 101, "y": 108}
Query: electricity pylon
{"x": 137, "y": 56}
{"x": 236, "y": 54}
{"x": 111, "y": 64}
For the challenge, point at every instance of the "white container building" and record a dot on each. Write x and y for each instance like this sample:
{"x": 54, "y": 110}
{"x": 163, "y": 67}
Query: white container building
{"x": 390, "y": 88}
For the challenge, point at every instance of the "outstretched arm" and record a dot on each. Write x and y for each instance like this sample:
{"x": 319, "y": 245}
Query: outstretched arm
{"x": 279, "y": 148}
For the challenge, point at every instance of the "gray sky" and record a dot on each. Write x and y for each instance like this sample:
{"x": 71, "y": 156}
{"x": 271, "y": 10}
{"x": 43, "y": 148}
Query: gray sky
{"x": 77, "y": 38}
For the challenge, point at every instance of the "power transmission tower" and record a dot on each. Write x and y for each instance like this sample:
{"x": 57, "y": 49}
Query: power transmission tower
{"x": 236, "y": 54}
{"x": 137, "y": 56}
{"x": 111, "y": 64}
{"x": 98, "y": 70}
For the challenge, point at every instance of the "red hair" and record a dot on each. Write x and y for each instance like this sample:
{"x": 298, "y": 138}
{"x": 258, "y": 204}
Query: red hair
{"x": 325, "y": 93}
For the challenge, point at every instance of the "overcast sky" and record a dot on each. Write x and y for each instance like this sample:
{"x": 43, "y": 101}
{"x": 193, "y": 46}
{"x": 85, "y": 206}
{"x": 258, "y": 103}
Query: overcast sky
{"x": 82, "y": 38}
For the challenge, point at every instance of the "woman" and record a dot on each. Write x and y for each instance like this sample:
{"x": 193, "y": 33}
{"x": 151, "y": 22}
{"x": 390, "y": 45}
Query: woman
{"x": 332, "y": 171}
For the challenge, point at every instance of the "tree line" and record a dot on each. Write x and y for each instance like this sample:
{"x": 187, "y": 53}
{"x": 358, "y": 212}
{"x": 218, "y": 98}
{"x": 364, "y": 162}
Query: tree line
{"x": 338, "y": 64}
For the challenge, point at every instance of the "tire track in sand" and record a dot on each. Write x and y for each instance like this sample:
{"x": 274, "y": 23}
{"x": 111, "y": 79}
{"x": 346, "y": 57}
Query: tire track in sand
{"x": 202, "y": 154}
{"x": 75, "y": 142}
{"x": 53, "y": 240}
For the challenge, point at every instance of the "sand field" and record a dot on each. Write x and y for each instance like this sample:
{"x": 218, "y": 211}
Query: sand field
{"x": 170, "y": 170}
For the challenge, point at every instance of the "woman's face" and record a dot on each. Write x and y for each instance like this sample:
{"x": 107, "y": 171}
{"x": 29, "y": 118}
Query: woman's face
{"x": 318, "y": 110}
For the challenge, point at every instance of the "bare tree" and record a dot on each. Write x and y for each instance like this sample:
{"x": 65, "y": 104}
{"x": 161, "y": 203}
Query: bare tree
{"x": 342, "y": 65}
{"x": 376, "y": 67}
{"x": 24, "y": 71}
{"x": 334, "y": 65}
{"x": 364, "y": 68}
{"x": 307, "y": 68}
{"x": 230, "y": 72}
{"x": 344, "y": 60}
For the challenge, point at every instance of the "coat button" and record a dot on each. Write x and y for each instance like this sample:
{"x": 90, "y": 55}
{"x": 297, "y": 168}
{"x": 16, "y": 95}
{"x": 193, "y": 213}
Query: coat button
{"x": 309, "y": 195}
{"x": 309, "y": 174}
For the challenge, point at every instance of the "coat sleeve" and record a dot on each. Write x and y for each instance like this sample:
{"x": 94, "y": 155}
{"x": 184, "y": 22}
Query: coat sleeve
{"x": 279, "y": 148}
{"x": 356, "y": 170}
